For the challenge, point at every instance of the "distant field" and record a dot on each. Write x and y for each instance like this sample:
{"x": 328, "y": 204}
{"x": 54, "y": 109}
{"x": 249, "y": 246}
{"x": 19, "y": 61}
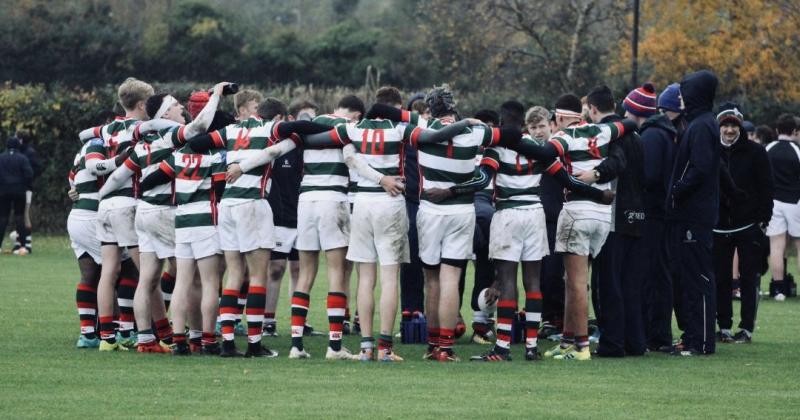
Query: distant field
{"x": 43, "y": 375}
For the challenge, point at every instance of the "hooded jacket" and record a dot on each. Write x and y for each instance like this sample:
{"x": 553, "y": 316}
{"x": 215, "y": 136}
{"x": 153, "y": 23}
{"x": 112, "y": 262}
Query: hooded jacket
{"x": 659, "y": 136}
{"x": 693, "y": 195}
{"x": 749, "y": 167}
{"x": 16, "y": 173}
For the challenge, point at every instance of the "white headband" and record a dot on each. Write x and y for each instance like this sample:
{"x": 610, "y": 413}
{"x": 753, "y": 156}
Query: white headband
{"x": 567, "y": 113}
{"x": 166, "y": 103}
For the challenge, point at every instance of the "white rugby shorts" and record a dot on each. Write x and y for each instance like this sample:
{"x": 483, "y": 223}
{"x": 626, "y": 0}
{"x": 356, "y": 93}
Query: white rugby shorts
{"x": 379, "y": 232}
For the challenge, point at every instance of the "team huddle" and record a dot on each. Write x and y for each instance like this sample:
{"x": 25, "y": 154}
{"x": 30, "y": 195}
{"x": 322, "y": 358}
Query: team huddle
{"x": 177, "y": 242}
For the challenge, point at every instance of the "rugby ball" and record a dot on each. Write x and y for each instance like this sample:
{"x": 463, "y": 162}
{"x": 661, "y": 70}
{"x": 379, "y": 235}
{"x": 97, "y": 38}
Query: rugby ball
{"x": 484, "y": 306}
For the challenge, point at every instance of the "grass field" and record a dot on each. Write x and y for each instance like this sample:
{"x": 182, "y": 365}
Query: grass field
{"x": 43, "y": 375}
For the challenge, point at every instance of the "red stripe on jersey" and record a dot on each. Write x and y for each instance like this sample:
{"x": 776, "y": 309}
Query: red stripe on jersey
{"x": 164, "y": 167}
{"x": 182, "y": 134}
{"x": 94, "y": 155}
{"x": 405, "y": 116}
{"x": 490, "y": 163}
{"x": 275, "y": 130}
{"x": 71, "y": 175}
{"x": 415, "y": 137}
{"x": 97, "y": 131}
{"x": 495, "y": 136}
{"x": 132, "y": 165}
{"x": 218, "y": 177}
{"x": 217, "y": 139}
{"x": 558, "y": 147}
{"x": 554, "y": 167}
{"x": 296, "y": 139}
{"x": 336, "y": 138}
{"x": 620, "y": 128}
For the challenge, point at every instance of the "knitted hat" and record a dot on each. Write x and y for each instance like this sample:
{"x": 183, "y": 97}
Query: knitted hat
{"x": 641, "y": 101}
{"x": 196, "y": 103}
{"x": 12, "y": 143}
{"x": 748, "y": 126}
{"x": 670, "y": 99}
{"x": 729, "y": 112}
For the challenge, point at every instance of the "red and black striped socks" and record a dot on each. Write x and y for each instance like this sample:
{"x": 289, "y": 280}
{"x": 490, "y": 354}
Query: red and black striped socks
{"x": 533, "y": 317}
{"x": 567, "y": 339}
{"x": 256, "y": 301}
{"x": 86, "y": 300}
{"x": 300, "y": 303}
{"x": 126, "y": 288}
{"x": 164, "y": 330}
{"x": 107, "y": 329}
{"x": 228, "y": 310}
{"x": 337, "y": 310}
{"x": 433, "y": 338}
{"x": 385, "y": 342}
{"x": 167, "y": 286}
{"x": 242, "y": 301}
{"x": 581, "y": 341}
{"x": 506, "y": 310}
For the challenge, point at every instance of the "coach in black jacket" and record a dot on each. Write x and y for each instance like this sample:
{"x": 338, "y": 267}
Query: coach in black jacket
{"x": 692, "y": 211}
{"x": 16, "y": 175}
{"x": 742, "y": 215}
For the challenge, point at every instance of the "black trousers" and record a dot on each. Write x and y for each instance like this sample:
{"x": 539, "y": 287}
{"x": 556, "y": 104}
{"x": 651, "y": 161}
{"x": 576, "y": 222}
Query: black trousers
{"x": 484, "y": 269}
{"x": 657, "y": 287}
{"x": 617, "y": 277}
{"x": 552, "y": 275}
{"x": 749, "y": 242}
{"x": 412, "y": 280}
{"x": 17, "y": 203}
{"x": 691, "y": 261}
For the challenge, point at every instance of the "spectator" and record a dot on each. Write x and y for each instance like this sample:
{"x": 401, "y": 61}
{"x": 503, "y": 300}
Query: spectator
{"x": 692, "y": 212}
{"x": 26, "y": 147}
{"x": 16, "y": 175}
{"x": 784, "y": 155}
{"x": 750, "y": 129}
{"x": 742, "y": 213}
{"x": 659, "y": 134}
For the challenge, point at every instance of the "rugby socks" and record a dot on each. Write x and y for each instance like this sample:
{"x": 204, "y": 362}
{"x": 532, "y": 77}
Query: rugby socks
{"x": 567, "y": 339}
{"x": 505, "y": 320}
{"x": 86, "y": 300}
{"x": 269, "y": 317}
{"x": 433, "y": 338}
{"x": 385, "y": 342}
{"x": 480, "y": 323}
{"x": 146, "y": 336}
{"x": 228, "y": 310}
{"x": 179, "y": 339}
{"x": 195, "y": 338}
{"x": 167, "y": 286}
{"x": 125, "y": 291}
{"x": 107, "y": 329}
{"x": 209, "y": 340}
{"x": 164, "y": 330}
{"x": 447, "y": 337}
{"x": 337, "y": 310}
{"x": 300, "y": 302}
{"x": 367, "y": 344}
{"x": 581, "y": 341}
{"x": 256, "y": 301}
{"x": 533, "y": 317}
{"x": 242, "y": 301}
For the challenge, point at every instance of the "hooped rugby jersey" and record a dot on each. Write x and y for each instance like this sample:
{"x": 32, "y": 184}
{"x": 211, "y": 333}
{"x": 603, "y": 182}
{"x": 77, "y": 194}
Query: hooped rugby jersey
{"x": 243, "y": 140}
{"x": 146, "y": 158}
{"x": 86, "y": 184}
{"x": 195, "y": 174}
{"x": 110, "y": 140}
{"x": 381, "y": 143}
{"x": 582, "y": 147}
{"x": 444, "y": 165}
{"x": 325, "y": 175}
{"x": 516, "y": 182}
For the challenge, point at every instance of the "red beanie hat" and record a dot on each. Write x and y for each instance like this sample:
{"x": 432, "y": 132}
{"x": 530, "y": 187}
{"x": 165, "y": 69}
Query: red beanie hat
{"x": 641, "y": 101}
{"x": 196, "y": 103}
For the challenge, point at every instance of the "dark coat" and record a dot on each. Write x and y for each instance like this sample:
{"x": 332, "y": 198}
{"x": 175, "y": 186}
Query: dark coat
{"x": 658, "y": 136}
{"x": 693, "y": 195}
{"x": 16, "y": 172}
{"x": 749, "y": 166}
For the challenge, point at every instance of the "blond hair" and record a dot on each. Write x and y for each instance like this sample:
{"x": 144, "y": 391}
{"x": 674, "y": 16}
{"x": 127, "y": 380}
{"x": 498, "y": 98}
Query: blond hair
{"x": 132, "y": 91}
{"x": 246, "y": 95}
{"x": 537, "y": 114}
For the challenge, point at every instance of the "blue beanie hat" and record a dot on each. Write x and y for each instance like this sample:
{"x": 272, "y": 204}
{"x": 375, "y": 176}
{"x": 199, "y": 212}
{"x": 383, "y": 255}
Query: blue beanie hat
{"x": 748, "y": 126}
{"x": 670, "y": 98}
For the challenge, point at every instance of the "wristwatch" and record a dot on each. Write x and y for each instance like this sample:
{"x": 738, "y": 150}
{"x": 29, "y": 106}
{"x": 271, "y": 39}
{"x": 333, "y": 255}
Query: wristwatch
{"x": 596, "y": 174}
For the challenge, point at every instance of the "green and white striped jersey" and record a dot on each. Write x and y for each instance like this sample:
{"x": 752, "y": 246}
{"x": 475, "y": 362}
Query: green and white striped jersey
{"x": 243, "y": 140}
{"x": 446, "y": 164}
{"x": 146, "y": 157}
{"x": 86, "y": 184}
{"x": 582, "y": 147}
{"x": 325, "y": 175}
{"x": 194, "y": 174}
{"x": 115, "y": 137}
{"x": 381, "y": 143}
{"x": 516, "y": 182}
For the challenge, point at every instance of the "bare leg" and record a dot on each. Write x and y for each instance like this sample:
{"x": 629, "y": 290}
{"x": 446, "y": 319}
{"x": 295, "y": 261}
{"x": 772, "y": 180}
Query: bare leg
{"x": 449, "y": 277}
{"x": 389, "y": 283}
{"x": 366, "y": 297}
{"x": 432, "y": 297}
{"x": 209, "y": 278}
{"x": 109, "y": 271}
{"x": 777, "y": 249}
{"x": 336, "y": 268}
{"x": 276, "y": 270}
{"x": 181, "y": 295}
{"x": 149, "y": 272}
{"x": 577, "y": 267}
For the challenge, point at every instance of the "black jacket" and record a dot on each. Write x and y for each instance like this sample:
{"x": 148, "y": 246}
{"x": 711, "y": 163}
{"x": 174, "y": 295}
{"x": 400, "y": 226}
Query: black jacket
{"x": 658, "y": 136}
{"x": 784, "y": 155}
{"x": 693, "y": 195}
{"x": 16, "y": 173}
{"x": 411, "y": 174}
{"x": 33, "y": 158}
{"x": 748, "y": 165}
{"x": 287, "y": 172}
{"x": 625, "y": 163}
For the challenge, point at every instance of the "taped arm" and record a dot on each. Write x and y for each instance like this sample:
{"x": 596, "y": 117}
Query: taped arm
{"x": 356, "y": 161}
{"x": 267, "y": 155}
{"x": 481, "y": 180}
{"x": 117, "y": 178}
